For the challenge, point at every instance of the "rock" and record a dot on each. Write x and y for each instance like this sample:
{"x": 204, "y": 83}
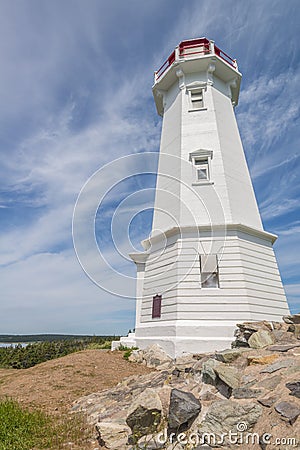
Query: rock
{"x": 144, "y": 414}
{"x": 136, "y": 356}
{"x": 240, "y": 393}
{"x": 222, "y": 376}
{"x": 184, "y": 408}
{"x": 283, "y": 347}
{"x": 278, "y": 365}
{"x": 255, "y": 360}
{"x": 294, "y": 387}
{"x": 255, "y": 326}
{"x": 294, "y": 319}
{"x": 229, "y": 375}
{"x": 295, "y": 328}
{"x": 113, "y": 435}
{"x": 185, "y": 361}
{"x": 288, "y": 410}
{"x": 230, "y": 355}
{"x": 209, "y": 376}
{"x": 223, "y": 416}
{"x": 261, "y": 339}
{"x": 153, "y": 356}
{"x": 267, "y": 401}
{"x": 197, "y": 367}
{"x": 270, "y": 383}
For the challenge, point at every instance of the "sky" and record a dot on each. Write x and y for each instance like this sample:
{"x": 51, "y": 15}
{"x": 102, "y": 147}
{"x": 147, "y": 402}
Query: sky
{"x": 76, "y": 107}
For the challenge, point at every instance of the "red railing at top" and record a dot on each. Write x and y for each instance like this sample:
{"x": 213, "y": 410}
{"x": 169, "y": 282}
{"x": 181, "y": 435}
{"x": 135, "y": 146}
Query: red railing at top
{"x": 194, "y": 47}
{"x": 225, "y": 57}
{"x": 165, "y": 65}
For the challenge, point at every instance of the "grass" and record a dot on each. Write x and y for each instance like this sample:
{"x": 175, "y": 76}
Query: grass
{"x": 127, "y": 351}
{"x": 21, "y": 429}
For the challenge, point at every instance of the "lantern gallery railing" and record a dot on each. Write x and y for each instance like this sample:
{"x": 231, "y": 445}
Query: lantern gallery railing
{"x": 194, "y": 48}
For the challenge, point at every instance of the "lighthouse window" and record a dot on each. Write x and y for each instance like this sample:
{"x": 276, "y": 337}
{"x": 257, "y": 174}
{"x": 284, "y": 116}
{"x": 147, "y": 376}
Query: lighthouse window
{"x": 156, "y": 307}
{"x": 202, "y": 169}
{"x": 196, "y": 97}
{"x": 209, "y": 271}
{"x": 201, "y": 166}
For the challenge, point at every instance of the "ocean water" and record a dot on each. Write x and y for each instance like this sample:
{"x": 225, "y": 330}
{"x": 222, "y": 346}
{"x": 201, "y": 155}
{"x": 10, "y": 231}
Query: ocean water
{"x": 8, "y": 344}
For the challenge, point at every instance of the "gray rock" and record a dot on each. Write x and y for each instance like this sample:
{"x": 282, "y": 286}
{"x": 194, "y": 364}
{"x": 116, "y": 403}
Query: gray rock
{"x": 294, "y": 387}
{"x": 186, "y": 361}
{"x": 294, "y": 319}
{"x": 270, "y": 383}
{"x": 144, "y": 414}
{"x": 240, "y": 393}
{"x": 261, "y": 339}
{"x": 153, "y": 356}
{"x": 295, "y": 328}
{"x": 283, "y": 347}
{"x": 255, "y": 326}
{"x": 222, "y": 376}
{"x": 229, "y": 375}
{"x": 184, "y": 408}
{"x": 268, "y": 401}
{"x": 113, "y": 435}
{"x": 278, "y": 365}
{"x": 209, "y": 376}
{"x": 224, "y": 416}
{"x": 288, "y": 410}
{"x": 228, "y": 356}
{"x": 143, "y": 421}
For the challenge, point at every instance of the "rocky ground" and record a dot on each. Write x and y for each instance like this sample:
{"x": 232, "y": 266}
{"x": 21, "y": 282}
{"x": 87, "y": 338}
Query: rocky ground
{"x": 246, "y": 397}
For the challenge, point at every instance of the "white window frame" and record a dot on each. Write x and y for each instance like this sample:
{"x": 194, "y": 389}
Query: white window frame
{"x": 196, "y": 88}
{"x": 201, "y": 159}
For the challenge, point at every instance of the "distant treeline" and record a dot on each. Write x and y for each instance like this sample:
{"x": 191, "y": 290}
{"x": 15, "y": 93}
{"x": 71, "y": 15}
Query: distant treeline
{"x": 15, "y": 338}
{"x": 19, "y": 357}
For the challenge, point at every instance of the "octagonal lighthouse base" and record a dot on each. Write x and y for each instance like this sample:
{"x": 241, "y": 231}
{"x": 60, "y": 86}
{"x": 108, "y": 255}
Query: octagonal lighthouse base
{"x": 187, "y": 337}
{"x": 194, "y": 289}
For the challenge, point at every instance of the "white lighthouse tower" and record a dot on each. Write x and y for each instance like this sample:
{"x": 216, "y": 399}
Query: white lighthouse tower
{"x": 208, "y": 263}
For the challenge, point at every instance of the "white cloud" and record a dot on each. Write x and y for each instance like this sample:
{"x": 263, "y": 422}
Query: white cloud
{"x": 75, "y": 89}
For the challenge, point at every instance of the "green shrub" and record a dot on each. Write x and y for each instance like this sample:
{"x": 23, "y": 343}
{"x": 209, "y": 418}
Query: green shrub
{"x": 127, "y": 351}
{"x": 19, "y": 357}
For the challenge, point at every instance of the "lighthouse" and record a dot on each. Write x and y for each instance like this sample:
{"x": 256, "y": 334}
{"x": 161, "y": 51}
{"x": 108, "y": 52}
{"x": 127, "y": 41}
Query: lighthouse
{"x": 208, "y": 263}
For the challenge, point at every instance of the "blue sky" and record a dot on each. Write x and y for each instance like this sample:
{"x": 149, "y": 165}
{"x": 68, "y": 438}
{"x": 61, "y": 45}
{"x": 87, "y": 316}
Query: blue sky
{"x": 75, "y": 89}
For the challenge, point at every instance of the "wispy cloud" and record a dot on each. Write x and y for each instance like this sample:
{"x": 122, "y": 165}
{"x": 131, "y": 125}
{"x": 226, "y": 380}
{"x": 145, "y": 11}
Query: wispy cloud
{"x": 75, "y": 87}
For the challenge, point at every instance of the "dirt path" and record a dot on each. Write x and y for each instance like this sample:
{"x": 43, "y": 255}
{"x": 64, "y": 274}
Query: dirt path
{"x": 53, "y": 386}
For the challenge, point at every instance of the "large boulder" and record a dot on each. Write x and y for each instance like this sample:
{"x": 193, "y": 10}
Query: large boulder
{"x": 226, "y": 415}
{"x": 261, "y": 339}
{"x": 229, "y": 355}
{"x": 144, "y": 414}
{"x": 113, "y": 435}
{"x": 184, "y": 408}
{"x": 223, "y": 376}
{"x": 153, "y": 356}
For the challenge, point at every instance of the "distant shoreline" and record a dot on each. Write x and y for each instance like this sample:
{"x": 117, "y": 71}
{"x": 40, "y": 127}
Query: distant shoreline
{"x": 31, "y": 338}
